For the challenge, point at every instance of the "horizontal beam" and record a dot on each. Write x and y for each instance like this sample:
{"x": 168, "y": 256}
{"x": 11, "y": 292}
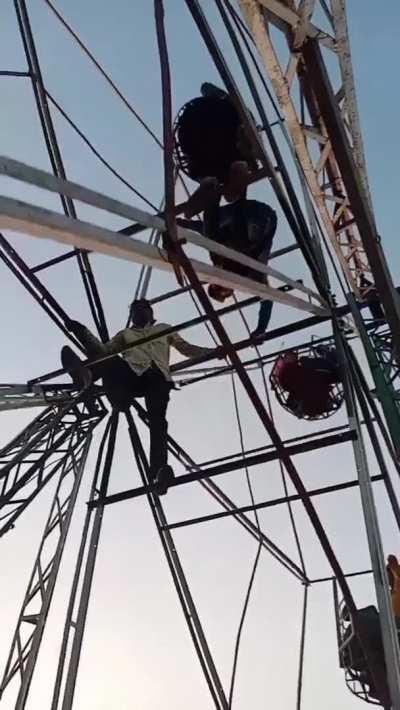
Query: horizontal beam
{"x": 349, "y": 574}
{"x": 247, "y": 461}
{"x": 18, "y": 215}
{"x": 38, "y": 222}
{"x": 53, "y": 262}
{"x": 259, "y": 449}
{"x": 271, "y": 504}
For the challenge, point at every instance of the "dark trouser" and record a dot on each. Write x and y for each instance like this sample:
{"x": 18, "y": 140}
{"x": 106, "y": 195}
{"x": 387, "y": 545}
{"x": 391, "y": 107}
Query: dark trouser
{"x": 323, "y": 365}
{"x": 238, "y": 211}
{"x": 122, "y": 385}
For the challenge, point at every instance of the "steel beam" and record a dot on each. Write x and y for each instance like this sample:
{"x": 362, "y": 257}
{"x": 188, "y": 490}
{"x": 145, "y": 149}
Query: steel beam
{"x": 227, "y": 504}
{"x": 55, "y": 156}
{"x": 270, "y": 503}
{"x": 179, "y": 578}
{"x": 79, "y": 625}
{"x": 347, "y": 246}
{"x": 319, "y": 79}
{"x": 30, "y": 628}
{"x": 249, "y": 461}
{"x": 386, "y": 617}
{"x": 36, "y": 221}
{"x": 41, "y": 450}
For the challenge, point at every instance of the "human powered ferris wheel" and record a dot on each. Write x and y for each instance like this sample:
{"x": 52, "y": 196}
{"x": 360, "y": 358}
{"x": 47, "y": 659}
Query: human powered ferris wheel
{"x": 293, "y": 58}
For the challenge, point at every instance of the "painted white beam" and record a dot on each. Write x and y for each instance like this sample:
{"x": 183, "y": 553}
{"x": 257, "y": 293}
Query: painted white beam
{"x": 25, "y": 218}
{"x": 42, "y": 179}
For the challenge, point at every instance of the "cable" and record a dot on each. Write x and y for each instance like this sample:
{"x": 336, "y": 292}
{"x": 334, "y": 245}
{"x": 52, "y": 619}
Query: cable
{"x": 242, "y": 619}
{"x": 282, "y": 470}
{"x": 97, "y": 153}
{"x": 102, "y": 71}
{"x": 258, "y": 553}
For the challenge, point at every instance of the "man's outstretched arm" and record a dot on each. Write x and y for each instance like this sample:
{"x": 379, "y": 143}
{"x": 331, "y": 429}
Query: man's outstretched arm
{"x": 188, "y": 349}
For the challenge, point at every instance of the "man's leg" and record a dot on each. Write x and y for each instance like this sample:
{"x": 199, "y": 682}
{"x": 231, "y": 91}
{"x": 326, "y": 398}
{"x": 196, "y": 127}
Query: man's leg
{"x": 157, "y": 391}
{"x": 264, "y": 317}
{"x": 80, "y": 375}
{"x": 119, "y": 380}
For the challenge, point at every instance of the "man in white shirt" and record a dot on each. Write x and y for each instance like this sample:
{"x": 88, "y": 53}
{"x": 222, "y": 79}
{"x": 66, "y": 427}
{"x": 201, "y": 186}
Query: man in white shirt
{"x": 142, "y": 371}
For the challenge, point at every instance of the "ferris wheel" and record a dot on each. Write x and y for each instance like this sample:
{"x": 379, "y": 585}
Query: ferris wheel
{"x": 338, "y": 331}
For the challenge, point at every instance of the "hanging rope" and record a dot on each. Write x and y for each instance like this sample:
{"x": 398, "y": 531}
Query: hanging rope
{"x": 258, "y": 553}
{"x": 97, "y": 153}
{"x": 102, "y": 71}
{"x": 282, "y": 470}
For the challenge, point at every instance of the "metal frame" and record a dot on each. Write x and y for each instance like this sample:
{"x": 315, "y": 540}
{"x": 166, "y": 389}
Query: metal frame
{"x": 337, "y": 179}
{"x": 35, "y": 606}
{"x": 32, "y": 458}
{"x": 28, "y": 463}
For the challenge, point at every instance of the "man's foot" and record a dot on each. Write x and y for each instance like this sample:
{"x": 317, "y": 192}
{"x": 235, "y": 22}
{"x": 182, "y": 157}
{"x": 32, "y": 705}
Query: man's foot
{"x": 163, "y": 480}
{"x": 257, "y": 333}
{"x": 237, "y": 181}
{"x": 219, "y": 293}
{"x": 207, "y": 194}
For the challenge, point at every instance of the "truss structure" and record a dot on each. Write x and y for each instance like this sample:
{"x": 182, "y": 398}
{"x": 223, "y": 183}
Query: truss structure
{"x": 320, "y": 123}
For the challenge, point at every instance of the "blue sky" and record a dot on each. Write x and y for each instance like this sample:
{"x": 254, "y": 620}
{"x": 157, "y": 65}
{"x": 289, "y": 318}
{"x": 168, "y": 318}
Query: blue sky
{"x": 137, "y": 652}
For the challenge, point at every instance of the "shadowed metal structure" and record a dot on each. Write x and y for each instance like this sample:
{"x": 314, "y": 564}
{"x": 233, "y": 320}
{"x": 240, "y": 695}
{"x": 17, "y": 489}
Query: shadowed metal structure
{"x": 334, "y": 233}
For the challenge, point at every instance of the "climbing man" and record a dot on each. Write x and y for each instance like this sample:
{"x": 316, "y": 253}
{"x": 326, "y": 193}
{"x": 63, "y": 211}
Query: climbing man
{"x": 142, "y": 371}
{"x": 212, "y": 146}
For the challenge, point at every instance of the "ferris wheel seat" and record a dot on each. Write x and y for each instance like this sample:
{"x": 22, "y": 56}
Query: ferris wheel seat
{"x": 358, "y": 670}
{"x": 307, "y": 384}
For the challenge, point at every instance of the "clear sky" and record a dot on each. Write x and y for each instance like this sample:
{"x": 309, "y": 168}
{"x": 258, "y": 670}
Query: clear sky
{"x": 137, "y": 651}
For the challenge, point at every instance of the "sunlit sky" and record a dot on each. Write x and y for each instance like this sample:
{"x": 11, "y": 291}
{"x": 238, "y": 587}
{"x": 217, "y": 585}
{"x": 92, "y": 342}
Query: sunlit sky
{"x": 137, "y": 652}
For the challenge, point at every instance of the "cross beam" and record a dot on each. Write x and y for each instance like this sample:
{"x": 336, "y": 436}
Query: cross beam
{"x": 37, "y": 221}
{"x": 246, "y": 461}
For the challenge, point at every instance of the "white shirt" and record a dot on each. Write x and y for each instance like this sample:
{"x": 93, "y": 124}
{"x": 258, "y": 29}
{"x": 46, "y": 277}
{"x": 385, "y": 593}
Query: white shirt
{"x": 156, "y": 352}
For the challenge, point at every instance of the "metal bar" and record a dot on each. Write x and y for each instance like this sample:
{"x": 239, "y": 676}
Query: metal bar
{"x": 256, "y": 22}
{"x": 302, "y": 233}
{"x": 301, "y": 651}
{"x": 270, "y": 503}
{"x": 280, "y": 13}
{"x": 16, "y": 215}
{"x": 55, "y": 156}
{"x": 69, "y": 624}
{"x": 13, "y": 210}
{"x": 317, "y": 74}
{"x": 337, "y": 618}
{"x": 344, "y": 55}
{"x": 34, "y": 287}
{"x": 179, "y": 578}
{"x": 299, "y": 228}
{"x": 222, "y": 499}
{"x": 38, "y": 597}
{"x": 259, "y": 449}
{"x": 32, "y": 472}
{"x": 365, "y": 399}
{"x": 348, "y": 575}
{"x": 384, "y": 387}
{"x": 284, "y": 250}
{"x": 232, "y": 466}
{"x": 6, "y": 72}
{"x": 389, "y": 632}
{"x": 53, "y": 262}
{"x": 241, "y": 345}
{"x": 89, "y": 572}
